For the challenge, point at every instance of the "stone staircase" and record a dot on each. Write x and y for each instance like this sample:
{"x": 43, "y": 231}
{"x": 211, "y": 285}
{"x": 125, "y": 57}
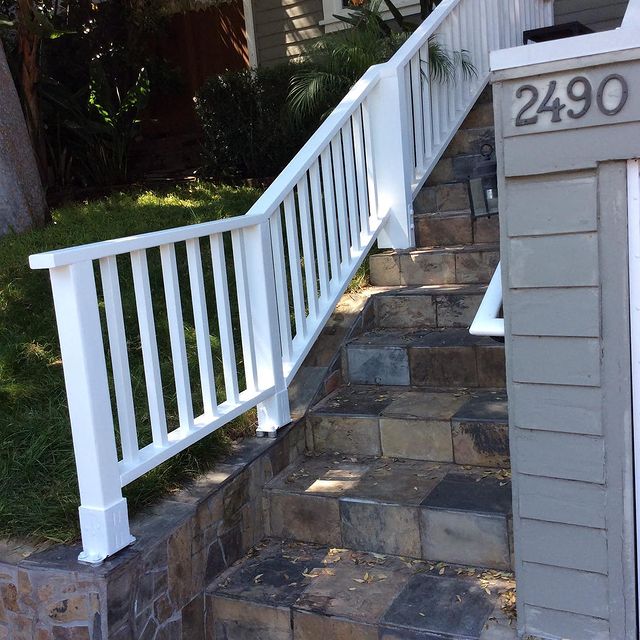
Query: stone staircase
{"x": 396, "y": 524}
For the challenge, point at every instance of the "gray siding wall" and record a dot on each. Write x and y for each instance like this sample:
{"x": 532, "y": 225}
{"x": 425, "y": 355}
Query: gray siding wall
{"x": 565, "y": 274}
{"x": 283, "y": 27}
{"x": 600, "y": 15}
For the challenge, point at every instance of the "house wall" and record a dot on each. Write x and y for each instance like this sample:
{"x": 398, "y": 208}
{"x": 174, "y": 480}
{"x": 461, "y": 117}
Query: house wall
{"x": 563, "y": 203}
{"x": 282, "y": 27}
{"x": 596, "y": 14}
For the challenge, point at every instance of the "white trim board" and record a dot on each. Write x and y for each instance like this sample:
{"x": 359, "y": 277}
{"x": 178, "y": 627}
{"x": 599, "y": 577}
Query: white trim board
{"x": 251, "y": 32}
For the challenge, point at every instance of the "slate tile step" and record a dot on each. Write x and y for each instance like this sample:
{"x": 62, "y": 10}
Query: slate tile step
{"x": 426, "y": 306}
{"x": 442, "y": 357}
{"x": 296, "y": 591}
{"x": 468, "y": 427}
{"x": 456, "y": 264}
{"x": 417, "y": 509}
{"x": 444, "y": 229}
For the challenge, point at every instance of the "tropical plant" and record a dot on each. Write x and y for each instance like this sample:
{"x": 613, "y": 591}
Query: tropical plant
{"x": 82, "y": 93}
{"x": 337, "y": 60}
{"x": 93, "y": 131}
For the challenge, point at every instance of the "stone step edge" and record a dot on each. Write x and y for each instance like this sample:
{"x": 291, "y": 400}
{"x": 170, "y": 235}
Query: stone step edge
{"x": 404, "y": 416}
{"x": 444, "y": 215}
{"x": 396, "y": 503}
{"x": 392, "y": 342}
{"x": 496, "y": 622}
{"x": 459, "y": 248}
{"x": 401, "y": 290}
{"x": 403, "y": 389}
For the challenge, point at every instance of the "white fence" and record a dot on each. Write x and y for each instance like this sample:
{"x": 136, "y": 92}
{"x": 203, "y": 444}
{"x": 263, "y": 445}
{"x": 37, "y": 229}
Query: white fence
{"x": 294, "y": 253}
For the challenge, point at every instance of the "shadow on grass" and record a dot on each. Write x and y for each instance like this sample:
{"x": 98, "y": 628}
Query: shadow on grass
{"x": 38, "y": 486}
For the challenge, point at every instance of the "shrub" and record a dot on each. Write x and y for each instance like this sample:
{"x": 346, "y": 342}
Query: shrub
{"x": 248, "y": 130}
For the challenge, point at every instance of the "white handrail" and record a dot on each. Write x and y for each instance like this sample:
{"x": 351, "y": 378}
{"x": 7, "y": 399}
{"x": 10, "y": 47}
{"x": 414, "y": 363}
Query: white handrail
{"x": 632, "y": 15}
{"x": 488, "y": 320}
{"x": 283, "y": 266}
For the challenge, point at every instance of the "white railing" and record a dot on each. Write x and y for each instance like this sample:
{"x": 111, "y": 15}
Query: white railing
{"x": 293, "y": 255}
{"x": 489, "y": 320}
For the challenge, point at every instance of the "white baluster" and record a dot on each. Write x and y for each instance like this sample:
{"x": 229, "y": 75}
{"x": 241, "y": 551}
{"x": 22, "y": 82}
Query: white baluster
{"x": 417, "y": 111}
{"x": 427, "y": 116}
{"x": 370, "y": 162}
{"x": 293, "y": 247}
{"x": 319, "y": 229}
{"x": 459, "y": 80}
{"x": 352, "y": 191}
{"x": 245, "y": 309}
{"x": 119, "y": 358}
{"x": 225, "y": 327}
{"x": 332, "y": 222}
{"x": 282, "y": 291}
{"x": 361, "y": 174}
{"x": 201, "y": 322}
{"x": 308, "y": 252}
{"x": 150, "y": 359}
{"x": 342, "y": 206}
{"x": 176, "y": 336}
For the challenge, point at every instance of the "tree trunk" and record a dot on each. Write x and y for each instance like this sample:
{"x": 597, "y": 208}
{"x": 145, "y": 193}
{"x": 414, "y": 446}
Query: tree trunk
{"x": 22, "y": 201}
{"x": 29, "y": 48}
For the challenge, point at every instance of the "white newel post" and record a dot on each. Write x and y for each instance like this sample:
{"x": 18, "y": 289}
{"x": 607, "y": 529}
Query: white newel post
{"x": 274, "y": 412}
{"x": 104, "y": 520}
{"x": 388, "y": 118}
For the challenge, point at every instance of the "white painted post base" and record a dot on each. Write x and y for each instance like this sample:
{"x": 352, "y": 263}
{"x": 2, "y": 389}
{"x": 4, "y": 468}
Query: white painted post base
{"x": 104, "y": 531}
{"x": 273, "y": 414}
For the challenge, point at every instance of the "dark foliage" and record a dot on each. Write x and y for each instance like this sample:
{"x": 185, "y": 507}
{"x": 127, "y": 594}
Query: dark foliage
{"x": 248, "y": 129}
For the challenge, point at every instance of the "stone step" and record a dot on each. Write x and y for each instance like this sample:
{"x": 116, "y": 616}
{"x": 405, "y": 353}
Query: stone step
{"x": 296, "y": 591}
{"x": 416, "y": 509}
{"x": 457, "y": 228}
{"x": 465, "y": 427}
{"x": 461, "y": 264}
{"x": 427, "y": 306}
{"x": 450, "y": 358}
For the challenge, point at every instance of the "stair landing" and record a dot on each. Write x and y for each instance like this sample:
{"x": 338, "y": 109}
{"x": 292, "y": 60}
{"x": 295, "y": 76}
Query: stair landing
{"x": 298, "y": 591}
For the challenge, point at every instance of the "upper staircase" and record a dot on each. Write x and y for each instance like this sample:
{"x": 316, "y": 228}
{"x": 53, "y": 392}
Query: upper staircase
{"x": 396, "y": 523}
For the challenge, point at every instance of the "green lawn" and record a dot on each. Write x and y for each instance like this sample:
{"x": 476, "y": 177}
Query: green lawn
{"x": 38, "y": 488}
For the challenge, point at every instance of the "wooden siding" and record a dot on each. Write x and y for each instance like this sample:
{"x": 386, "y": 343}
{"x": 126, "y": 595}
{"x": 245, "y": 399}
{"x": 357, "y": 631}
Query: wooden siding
{"x": 563, "y": 238}
{"x": 283, "y": 27}
{"x": 596, "y": 14}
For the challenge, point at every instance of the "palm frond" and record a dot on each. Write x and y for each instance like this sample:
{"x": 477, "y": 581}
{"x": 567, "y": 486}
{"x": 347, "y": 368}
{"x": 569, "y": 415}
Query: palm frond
{"x": 336, "y": 61}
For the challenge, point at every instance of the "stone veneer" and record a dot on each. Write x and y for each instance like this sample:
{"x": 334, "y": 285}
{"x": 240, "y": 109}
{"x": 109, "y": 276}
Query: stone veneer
{"x": 153, "y": 589}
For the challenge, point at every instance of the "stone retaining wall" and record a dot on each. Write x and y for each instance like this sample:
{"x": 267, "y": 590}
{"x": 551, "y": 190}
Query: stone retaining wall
{"x": 154, "y": 589}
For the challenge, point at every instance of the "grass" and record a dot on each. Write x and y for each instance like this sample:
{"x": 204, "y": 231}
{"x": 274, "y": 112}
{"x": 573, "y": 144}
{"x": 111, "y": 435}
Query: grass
{"x": 38, "y": 487}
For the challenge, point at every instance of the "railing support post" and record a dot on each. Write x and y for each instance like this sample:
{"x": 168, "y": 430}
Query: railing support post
{"x": 274, "y": 412}
{"x": 104, "y": 520}
{"x": 393, "y": 163}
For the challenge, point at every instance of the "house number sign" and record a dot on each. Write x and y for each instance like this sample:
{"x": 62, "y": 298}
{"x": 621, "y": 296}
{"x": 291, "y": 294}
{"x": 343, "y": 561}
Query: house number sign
{"x": 572, "y": 100}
